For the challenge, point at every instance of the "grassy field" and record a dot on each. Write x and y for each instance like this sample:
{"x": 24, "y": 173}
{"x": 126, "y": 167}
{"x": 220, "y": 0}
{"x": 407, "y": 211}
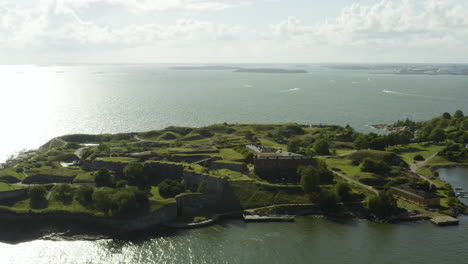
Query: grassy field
{"x": 344, "y": 165}
{"x": 84, "y": 177}
{"x": 7, "y": 187}
{"x": 254, "y": 195}
{"x": 409, "y": 151}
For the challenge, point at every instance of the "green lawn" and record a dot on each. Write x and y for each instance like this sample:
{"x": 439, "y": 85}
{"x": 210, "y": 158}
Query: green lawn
{"x": 7, "y": 187}
{"x": 230, "y": 154}
{"x": 84, "y": 177}
{"x": 344, "y": 165}
{"x": 408, "y": 152}
{"x": 155, "y": 193}
{"x": 233, "y": 175}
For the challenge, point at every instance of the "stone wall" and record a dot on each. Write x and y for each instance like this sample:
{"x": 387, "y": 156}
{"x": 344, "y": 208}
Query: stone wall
{"x": 44, "y": 179}
{"x": 14, "y": 195}
{"x": 95, "y": 165}
{"x": 161, "y": 216}
{"x": 240, "y": 167}
{"x": 215, "y": 185}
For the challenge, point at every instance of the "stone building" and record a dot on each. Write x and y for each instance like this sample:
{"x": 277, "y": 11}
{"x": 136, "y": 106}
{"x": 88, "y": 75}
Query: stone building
{"x": 419, "y": 197}
{"x": 277, "y": 165}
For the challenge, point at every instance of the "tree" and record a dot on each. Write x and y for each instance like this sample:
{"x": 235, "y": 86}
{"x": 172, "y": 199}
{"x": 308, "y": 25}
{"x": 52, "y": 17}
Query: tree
{"x": 294, "y": 145}
{"x": 375, "y": 166}
{"x": 84, "y": 195}
{"x": 458, "y": 114}
{"x": 361, "y": 142}
{"x": 135, "y": 174}
{"x": 437, "y": 135}
{"x": 310, "y": 179}
{"x": 418, "y": 157}
{"x": 170, "y": 188}
{"x": 446, "y": 115}
{"x": 64, "y": 193}
{"x": 343, "y": 191}
{"x": 37, "y": 196}
{"x": 321, "y": 147}
{"x": 382, "y": 205}
{"x": 104, "y": 178}
{"x": 328, "y": 201}
{"x": 377, "y": 143}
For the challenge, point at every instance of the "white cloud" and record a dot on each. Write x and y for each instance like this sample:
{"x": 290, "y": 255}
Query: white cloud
{"x": 390, "y": 29}
{"x": 385, "y": 24}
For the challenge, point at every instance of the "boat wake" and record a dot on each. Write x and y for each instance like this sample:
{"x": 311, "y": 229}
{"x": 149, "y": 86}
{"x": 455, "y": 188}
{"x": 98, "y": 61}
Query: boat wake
{"x": 291, "y": 90}
{"x": 422, "y": 96}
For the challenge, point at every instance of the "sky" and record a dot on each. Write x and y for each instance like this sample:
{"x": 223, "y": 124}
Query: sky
{"x": 233, "y": 31}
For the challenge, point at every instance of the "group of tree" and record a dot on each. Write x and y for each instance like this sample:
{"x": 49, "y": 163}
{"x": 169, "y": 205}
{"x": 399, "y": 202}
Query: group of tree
{"x": 445, "y": 127}
{"x": 314, "y": 175}
{"x": 375, "y": 166}
{"x": 110, "y": 201}
{"x": 170, "y": 188}
{"x": 455, "y": 152}
{"x": 380, "y": 142}
{"x": 382, "y": 205}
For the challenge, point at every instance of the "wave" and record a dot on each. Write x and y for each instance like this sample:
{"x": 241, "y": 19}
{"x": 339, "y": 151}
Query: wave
{"x": 291, "y": 90}
{"x": 248, "y": 85}
{"x": 422, "y": 96}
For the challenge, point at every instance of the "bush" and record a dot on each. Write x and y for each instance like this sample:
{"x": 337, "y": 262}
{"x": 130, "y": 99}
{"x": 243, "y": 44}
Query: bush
{"x": 375, "y": 166}
{"x": 37, "y": 196}
{"x": 321, "y": 147}
{"x": 135, "y": 174}
{"x": 343, "y": 191}
{"x": 418, "y": 157}
{"x": 170, "y": 188}
{"x": 104, "y": 178}
{"x": 63, "y": 193}
{"x": 121, "y": 184}
{"x": 84, "y": 195}
{"x": 382, "y": 205}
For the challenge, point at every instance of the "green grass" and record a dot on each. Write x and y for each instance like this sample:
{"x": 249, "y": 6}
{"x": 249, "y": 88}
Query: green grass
{"x": 7, "y": 187}
{"x": 12, "y": 172}
{"x": 84, "y": 177}
{"x": 440, "y": 161}
{"x": 373, "y": 154}
{"x": 155, "y": 193}
{"x": 254, "y": 195}
{"x": 158, "y": 204}
{"x": 344, "y": 165}
{"x": 272, "y": 144}
{"x": 408, "y": 152}
{"x": 230, "y": 154}
{"x": 233, "y": 175}
{"x": 117, "y": 159}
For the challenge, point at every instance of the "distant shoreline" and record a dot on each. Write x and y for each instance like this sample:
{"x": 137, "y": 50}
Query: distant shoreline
{"x": 238, "y": 69}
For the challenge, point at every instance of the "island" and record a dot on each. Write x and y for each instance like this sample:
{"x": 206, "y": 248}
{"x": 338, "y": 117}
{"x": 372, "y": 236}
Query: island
{"x": 184, "y": 177}
{"x": 240, "y": 69}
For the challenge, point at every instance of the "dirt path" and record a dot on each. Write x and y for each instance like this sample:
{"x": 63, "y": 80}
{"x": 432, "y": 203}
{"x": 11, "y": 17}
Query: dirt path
{"x": 353, "y": 181}
{"x": 415, "y": 166}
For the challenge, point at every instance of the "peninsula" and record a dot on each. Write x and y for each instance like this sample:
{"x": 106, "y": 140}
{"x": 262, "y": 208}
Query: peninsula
{"x": 185, "y": 177}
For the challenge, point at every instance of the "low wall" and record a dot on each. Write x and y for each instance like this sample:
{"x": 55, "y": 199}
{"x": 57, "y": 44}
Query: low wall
{"x": 161, "y": 216}
{"x": 14, "y": 195}
{"x": 95, "y": 165}
{"x": 242, "y": 168}
{"x": 44, "y": 179}
{"x": 215, "y": 185}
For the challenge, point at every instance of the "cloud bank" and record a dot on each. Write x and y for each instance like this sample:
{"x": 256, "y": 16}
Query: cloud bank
{"x": 192, "y": 31}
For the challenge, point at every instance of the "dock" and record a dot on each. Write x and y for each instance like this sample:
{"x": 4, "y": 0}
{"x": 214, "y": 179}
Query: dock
{"x": 444, "y": 220}
{"x": 270, "y": 218}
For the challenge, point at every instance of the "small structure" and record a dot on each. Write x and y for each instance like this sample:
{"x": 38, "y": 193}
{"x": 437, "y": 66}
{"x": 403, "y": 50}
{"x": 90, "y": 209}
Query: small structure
{"x": 275, "y": 164}
{"x": 418, "y": 197}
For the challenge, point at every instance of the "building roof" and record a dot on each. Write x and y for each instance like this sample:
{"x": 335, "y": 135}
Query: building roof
{"x": 262, "y": 151}
{"x": 419, "y": 193}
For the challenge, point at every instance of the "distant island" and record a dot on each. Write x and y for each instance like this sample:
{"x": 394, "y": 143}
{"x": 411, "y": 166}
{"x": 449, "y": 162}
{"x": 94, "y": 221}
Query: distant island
{"x": 184, "y": 177}
{"x": 240, "y": 69}
{"x": 405, "y": 69}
